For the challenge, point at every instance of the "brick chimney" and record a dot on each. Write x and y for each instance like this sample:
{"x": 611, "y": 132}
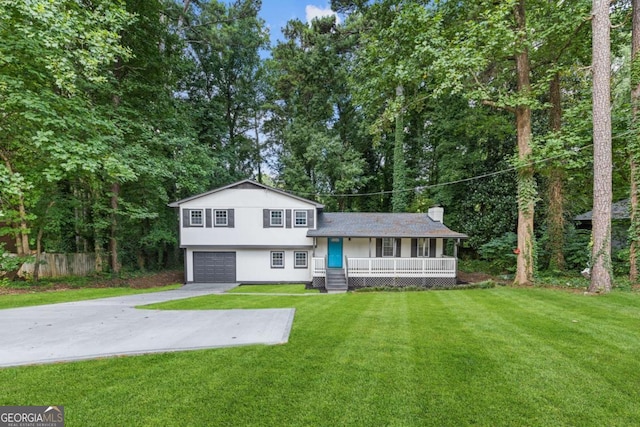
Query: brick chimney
{"x": 436, "y": 213}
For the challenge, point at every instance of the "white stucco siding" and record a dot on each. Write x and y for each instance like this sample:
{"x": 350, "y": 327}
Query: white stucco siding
{"x": 359, "y": 248}
{"x": 366, "y": 248}
{"x": 247, "y": 198}
{"x": 254, "y": 265}
{"x": 248, "y": 230}
{"x": 405, "y": 248}
{"x": 320, "y": 249}
{"x": 356, "y": 247}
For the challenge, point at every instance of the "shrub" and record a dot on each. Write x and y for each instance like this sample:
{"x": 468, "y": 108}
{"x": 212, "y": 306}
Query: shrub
{"x": 499, "y": 252}
{"x": 576, "y": 249}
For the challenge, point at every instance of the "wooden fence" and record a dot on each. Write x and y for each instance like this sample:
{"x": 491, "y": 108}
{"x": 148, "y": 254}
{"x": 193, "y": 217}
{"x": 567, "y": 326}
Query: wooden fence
{"x": 59, "y": 265}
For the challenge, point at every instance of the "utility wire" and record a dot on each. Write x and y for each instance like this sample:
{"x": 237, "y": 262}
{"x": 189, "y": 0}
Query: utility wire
{"x": 425, "y": 187}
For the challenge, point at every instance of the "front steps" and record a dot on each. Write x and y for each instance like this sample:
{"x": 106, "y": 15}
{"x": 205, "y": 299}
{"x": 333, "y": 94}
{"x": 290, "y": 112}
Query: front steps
{"x": 335, "y": 281}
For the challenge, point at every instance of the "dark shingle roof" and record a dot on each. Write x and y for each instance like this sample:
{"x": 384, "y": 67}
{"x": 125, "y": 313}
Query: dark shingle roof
{"x": 619, "y": 210}
{"x": 380, "y": 225}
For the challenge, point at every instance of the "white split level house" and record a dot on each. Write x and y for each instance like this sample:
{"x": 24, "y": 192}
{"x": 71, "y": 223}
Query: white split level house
{"x": 248, "y": 232}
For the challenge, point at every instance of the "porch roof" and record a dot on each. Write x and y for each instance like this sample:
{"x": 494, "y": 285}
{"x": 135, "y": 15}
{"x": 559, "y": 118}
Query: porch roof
{"x": 619, "y": 210}
{"x": 355, "y": 224}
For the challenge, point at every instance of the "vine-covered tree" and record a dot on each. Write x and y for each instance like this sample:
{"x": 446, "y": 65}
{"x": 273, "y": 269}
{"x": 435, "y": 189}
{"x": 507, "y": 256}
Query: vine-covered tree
{"x": 602, "y": 156}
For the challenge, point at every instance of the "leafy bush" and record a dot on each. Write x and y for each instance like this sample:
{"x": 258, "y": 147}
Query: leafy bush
{"x": 10, "y": 262}
{"x": 499, "y": 252}
{"x": 620, "y": 261}
{"x": 488, "y": 284}
{"x": 576, "y": 249}
{"x": 474, "y": 266}
{"x": 568, "y": 281}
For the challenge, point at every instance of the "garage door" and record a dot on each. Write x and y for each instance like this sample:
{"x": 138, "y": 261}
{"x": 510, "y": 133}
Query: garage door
{"x": 214, "y": 267}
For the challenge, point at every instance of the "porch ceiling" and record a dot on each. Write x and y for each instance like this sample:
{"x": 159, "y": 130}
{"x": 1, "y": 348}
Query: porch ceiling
{"x": 352, "y": 224}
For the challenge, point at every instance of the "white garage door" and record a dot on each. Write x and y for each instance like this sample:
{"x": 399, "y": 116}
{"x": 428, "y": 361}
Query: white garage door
{"x": 214, "y": 267}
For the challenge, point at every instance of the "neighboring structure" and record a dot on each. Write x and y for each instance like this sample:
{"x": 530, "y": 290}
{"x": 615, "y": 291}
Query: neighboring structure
{"x": 620, "y": 222}
{"x": 619, "y": 211}
{"x": 250, "y": 233}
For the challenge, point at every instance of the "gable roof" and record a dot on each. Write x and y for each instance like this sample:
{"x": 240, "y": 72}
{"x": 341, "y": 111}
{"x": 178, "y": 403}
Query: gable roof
{"x": 353, "y": 224}
{"x": 619, "y": 210}
{"x": 246, "y": 184}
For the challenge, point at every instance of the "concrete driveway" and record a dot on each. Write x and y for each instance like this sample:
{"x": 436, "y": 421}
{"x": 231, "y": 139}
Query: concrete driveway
{"x": 113, "y": 327}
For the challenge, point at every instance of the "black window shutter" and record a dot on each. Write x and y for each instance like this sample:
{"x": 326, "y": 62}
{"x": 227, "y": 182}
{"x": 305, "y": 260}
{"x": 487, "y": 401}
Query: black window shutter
{"x": 288, "y": 218}
{"x": 398, "y": 248}
{"x": 310, "y": 223}
{"x": 378, "y": 248}
{"x": 432, "y": 248}
{"x": 186, "y": 218}
{"x": 208, "y": 219}
{"x": 231, "y": 219}
{"x": 414, "y": 248}
{"x": 266, "y": 218}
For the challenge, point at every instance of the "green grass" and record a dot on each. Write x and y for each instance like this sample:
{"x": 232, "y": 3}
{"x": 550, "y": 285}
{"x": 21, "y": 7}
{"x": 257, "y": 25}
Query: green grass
{"x": 69, "y": 295}
{"x": 493, "y": 357}
{"x": 273, "y": 289}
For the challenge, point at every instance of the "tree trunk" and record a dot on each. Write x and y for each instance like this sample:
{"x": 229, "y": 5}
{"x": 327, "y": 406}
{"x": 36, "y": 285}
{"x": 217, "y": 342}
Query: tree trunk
{"x": 113, "y": 238}
{"x": 97, "y": 249}
{"x": 36, "y": 265}
{"x": 555, "y": 192}
{"x": 399, "y": 197}
{"x": 23, "y": 248}
{"x": 258, "y": 153}
{"x": 526, "y": 181}
{"x": 22, "y": 235}
{"x": 115, "y": 195}
{"x": 602, "y": 156}
{"x": 634, "y": 147}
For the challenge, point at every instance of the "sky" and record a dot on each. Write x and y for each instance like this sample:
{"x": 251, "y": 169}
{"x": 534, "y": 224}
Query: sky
{"x": 276, "y": 13}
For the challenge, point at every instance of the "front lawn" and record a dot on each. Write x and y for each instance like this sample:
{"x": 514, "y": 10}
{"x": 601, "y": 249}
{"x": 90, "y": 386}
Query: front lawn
{"x": 273, "y": 289}
{"x": 69, "y": 295}
{"x": 501, "y": 356}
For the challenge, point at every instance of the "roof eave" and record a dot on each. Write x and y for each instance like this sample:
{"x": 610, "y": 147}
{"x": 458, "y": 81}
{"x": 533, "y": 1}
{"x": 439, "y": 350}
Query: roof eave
{"x": 177, "y": 204}
{"x": 451, "y": 235}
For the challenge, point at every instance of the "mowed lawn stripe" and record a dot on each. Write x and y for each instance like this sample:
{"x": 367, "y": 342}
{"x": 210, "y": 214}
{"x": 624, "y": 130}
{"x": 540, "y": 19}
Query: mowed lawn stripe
{"x": 379, "y": 354}
{"x": 474, "y": 358}
{"x": 554, "y": 356}
{"x": 479, "y": 357}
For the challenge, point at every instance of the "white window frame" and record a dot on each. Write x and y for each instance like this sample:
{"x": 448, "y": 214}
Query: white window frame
{"x": 271, "y": 218}
{"x": 303, "y": 218}
{"x": 424, "y": 246}
{"x": 277, "y": 261}
{"x": 225, "y": 217}
{"x": 305, "y": 258}
{"x": 195, "y": 223}
{"x": 385, "y": 245}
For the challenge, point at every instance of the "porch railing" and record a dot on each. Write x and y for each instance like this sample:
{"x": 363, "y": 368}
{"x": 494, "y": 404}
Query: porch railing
{"x": 318, "y": 265}
{"x": 393, "y": 267}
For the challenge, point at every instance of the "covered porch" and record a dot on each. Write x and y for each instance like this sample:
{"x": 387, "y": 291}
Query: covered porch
{"x": 352, "y": 250}
{"x": 445, "y": 266}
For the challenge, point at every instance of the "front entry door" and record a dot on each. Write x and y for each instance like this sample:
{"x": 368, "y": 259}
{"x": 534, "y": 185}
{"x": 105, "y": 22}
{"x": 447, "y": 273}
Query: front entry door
{"x": 335, "y": 252}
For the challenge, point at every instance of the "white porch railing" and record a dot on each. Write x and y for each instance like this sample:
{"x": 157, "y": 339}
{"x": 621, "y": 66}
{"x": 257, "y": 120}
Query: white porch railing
{"x": 318, "y": 266}
{"x": 393, "y": 267}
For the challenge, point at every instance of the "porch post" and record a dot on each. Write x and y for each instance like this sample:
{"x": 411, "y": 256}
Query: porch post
{"x": 455, "y": 249}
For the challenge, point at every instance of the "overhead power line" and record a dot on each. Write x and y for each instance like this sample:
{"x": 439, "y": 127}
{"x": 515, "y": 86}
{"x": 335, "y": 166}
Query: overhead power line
{"x": 443, "y": 184}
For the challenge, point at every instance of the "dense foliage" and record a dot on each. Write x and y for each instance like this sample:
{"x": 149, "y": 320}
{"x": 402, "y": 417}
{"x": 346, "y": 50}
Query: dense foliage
{"x": 110, "y": 109}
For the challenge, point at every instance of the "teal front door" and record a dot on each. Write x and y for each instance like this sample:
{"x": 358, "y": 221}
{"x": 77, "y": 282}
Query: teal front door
{"x": 335, "y": 252}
